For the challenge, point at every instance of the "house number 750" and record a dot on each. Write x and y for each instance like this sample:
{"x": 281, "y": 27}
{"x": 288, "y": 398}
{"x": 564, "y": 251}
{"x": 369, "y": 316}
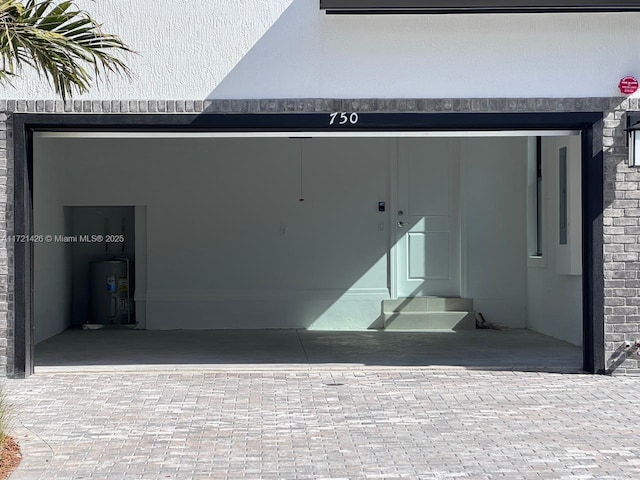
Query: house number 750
{"x": 342, "y": 118}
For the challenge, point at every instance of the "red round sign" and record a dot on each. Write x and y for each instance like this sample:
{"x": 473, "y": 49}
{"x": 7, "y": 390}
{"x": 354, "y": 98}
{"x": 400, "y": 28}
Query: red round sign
{"x": 628, "y": 85}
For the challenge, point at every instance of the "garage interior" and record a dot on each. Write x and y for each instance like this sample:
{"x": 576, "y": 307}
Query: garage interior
{"x": 263, "y": 249}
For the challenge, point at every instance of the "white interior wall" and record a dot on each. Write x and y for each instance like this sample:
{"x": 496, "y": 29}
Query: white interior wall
{"x": 493, "y": 181}
{"x": 52, "y": 260}
{"x": 290, "y": 48}
{"x": 229, "y": 244}
{"x": 554, "y": 300}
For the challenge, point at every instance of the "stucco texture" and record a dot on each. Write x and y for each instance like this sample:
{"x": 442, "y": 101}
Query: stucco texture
{"x": 189, "y": 49}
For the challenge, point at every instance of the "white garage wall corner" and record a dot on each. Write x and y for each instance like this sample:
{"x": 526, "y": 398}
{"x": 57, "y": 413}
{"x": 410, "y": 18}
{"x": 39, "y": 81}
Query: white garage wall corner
{"x": 291, "y": 49}
{"x": 554, "y": 304}
{"x": 554, "y": 300}
{"x": 493, "y": 182}
{"x": 51, "y": 307}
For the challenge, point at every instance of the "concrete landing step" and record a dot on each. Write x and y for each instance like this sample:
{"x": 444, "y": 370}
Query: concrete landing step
{"x": 429, "y": 313}
{"x": 436, "y": 321}
{"x": 427, "y": 304}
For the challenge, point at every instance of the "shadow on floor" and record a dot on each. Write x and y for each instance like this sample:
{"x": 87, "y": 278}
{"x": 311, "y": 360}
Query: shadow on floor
{"x": 475, "y": 349}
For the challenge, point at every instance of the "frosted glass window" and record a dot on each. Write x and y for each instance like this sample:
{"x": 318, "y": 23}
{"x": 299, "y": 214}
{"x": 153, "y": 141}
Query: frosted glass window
{"x": 539, "y": 196}
{"x": 562, "y": 196}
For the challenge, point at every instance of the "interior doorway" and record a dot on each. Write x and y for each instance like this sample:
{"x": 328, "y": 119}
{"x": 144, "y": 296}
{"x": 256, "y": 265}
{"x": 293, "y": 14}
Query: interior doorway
{"x": 427, "y": 217}
{"x": 103, "y": 272}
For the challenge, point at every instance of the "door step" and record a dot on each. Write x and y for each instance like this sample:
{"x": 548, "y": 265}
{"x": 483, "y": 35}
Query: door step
{"x": 429, "y": 314}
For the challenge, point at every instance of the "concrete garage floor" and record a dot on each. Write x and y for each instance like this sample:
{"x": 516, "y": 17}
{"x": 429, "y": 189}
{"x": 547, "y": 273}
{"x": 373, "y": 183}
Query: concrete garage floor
{"x": 286, "y": 349}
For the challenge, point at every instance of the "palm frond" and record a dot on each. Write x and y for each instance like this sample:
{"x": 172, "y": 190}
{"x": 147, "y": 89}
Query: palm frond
{"x": 62, "y": 43}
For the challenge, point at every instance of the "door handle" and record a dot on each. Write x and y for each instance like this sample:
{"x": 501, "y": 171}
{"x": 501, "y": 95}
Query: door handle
{"x": 401, "y": 224}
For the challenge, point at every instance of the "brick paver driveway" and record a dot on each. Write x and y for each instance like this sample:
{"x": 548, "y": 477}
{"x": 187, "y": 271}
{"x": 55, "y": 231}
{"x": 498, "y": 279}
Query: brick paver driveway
{"x": 358, "y": 423}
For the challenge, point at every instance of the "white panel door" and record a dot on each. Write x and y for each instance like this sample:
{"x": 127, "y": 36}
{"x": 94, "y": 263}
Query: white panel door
{"x": 426, "y": 217}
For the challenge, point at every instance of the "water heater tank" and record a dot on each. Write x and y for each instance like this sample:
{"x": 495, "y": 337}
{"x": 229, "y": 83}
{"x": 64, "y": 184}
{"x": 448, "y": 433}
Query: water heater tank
{"x": 112, "y": 292}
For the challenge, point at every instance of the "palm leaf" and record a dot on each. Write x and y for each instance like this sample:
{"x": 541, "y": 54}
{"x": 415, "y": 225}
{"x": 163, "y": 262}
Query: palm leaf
{"x": 61, "y": 43}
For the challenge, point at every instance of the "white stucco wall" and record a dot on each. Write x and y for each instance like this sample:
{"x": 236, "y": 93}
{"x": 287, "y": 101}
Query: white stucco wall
{"x": 192, "y": 49}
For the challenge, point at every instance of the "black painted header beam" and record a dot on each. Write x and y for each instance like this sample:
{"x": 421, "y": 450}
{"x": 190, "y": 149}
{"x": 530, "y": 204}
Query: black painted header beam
{"x": 369, "y": 7}
{"x": 633, "y": 121}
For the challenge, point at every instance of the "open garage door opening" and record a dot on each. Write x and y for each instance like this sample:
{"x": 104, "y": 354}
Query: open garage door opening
{"x": 454, "y": 248}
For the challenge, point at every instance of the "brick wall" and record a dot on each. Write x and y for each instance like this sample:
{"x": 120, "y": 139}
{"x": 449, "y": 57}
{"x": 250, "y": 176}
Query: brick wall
{"x": 6, "y": 228}
{"x": 621, "y": 221}
{"x": 621, "y": 193}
